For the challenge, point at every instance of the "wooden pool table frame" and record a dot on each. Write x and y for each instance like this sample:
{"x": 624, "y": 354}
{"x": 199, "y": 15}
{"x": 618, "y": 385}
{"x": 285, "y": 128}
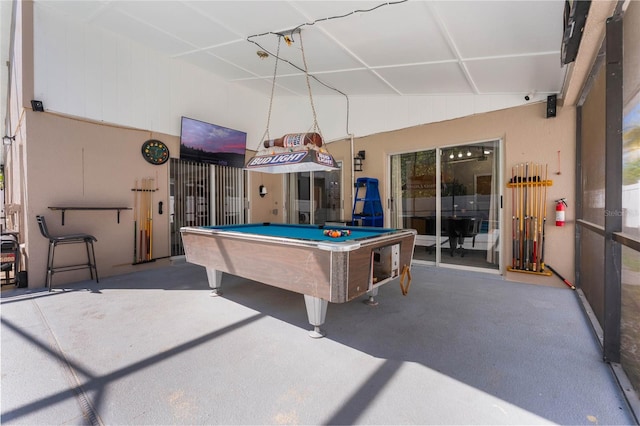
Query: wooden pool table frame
{"x": 323, "y": 271}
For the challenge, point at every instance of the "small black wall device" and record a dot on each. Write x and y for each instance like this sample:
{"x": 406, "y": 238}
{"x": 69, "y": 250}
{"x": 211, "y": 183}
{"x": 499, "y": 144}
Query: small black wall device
{"x": 551, "y": 105}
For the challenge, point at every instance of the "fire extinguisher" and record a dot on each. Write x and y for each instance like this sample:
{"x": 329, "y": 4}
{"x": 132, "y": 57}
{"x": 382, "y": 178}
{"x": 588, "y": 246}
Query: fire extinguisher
{"x": 561, "y": 204}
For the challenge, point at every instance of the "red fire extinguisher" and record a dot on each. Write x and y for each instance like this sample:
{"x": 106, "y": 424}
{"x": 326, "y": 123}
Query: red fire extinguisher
{"x": 561, "y": 204}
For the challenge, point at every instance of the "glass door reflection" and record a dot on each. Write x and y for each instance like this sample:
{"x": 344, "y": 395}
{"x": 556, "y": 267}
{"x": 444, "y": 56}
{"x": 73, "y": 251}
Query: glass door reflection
{"x": 315, "y": 197}
{"x": 413, "y": 188}
{"x": 451, "y": 197}
{"x": 470, "y": 205}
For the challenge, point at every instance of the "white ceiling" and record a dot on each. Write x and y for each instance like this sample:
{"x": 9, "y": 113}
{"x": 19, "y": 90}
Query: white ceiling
{"x": 400, "y": 48}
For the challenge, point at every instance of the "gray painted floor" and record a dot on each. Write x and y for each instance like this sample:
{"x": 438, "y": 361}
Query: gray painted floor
{"x": 154, "y": 348}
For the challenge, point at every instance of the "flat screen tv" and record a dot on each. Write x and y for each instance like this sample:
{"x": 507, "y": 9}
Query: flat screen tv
{"x": 575, "y": 18}
{"x": 209, "y": 143}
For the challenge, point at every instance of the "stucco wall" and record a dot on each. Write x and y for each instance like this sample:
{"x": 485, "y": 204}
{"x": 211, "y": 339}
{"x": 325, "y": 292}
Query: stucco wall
{"x": 528, "y": 137}
{"x": 99, "y": 163}
{"x": 73, "y": 162}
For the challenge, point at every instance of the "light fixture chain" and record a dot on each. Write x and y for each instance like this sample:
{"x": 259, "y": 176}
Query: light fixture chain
{"x": 306, "y": 73}
{"x": 266, "y": 136}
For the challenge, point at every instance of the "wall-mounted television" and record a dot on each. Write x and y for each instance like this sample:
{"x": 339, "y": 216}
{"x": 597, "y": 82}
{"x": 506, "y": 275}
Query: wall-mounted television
{"x": 209, "y": 143}
{"x": 575, "y": 18}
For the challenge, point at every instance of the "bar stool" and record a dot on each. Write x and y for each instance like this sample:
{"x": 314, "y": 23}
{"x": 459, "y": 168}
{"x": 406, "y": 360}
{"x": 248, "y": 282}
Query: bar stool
{"x": 54, "y": 241}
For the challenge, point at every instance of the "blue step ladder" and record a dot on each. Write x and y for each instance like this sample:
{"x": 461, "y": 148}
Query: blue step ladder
{"x": 367, "y": 207}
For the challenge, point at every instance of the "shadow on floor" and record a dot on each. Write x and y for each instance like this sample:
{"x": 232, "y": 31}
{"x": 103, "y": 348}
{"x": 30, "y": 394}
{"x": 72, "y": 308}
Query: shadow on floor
{"x": 479, "y": 336}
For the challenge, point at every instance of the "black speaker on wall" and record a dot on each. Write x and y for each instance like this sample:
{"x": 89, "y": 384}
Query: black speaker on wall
{"x": 37, "y": 106}
{"x": 552, "y": 100}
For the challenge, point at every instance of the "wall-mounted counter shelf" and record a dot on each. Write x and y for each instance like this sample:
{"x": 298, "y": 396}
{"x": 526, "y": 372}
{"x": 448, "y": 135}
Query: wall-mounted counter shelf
{"x": 65, "y": 208}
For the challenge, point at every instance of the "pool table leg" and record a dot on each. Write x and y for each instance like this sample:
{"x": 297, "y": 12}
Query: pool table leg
{"x": 317, "y": 312}
{"x": 215, "y": 281}
{"x": 372, "y": 293}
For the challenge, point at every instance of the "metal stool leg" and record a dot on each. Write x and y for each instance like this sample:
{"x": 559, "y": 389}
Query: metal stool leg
{"x": 91, "y": 256}
{"x": 49, "y": 278}
{"x": 89, "y": 264}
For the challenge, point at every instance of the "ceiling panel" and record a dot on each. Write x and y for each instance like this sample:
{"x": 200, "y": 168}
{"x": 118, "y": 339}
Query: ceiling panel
{"x": 321, "y": 53}
{"x": 225, "y": 70}
{"x": 431, "y": 79}
{"x": 131, "y": 28}
{"x": 244, "y": 56}
{"x": 359, "y": 47}
{"x": 175, "y": 18}
{"x": 396, "y": 34}
{"x": 516, "y": 74}
{"x": 248, "y": 18}
{"x": 486, "y": 28}
{"x": 360, "y": 82}
{"x": 298, "y": 84}
{"x": 263, "y": 86}
{"x": 79, "y": 10}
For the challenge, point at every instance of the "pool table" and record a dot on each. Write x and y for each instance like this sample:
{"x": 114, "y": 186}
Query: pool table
{"x": 301, "y": 258}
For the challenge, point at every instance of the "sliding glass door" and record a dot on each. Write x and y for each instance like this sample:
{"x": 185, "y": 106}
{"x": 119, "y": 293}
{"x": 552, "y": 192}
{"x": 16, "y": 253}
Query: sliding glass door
{"x": 414, "y": 199}
{"x": 451, "y": 196}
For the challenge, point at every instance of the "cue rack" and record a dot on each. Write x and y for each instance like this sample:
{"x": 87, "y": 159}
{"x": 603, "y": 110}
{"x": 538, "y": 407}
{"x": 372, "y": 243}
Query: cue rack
{"x": 529, "y": 217}
{"x": 143, "y": 220}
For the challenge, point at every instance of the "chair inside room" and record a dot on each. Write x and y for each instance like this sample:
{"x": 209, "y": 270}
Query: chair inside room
{"x": 55, "y": 241}
{"x": 459, "y": 230}
{"x": 10, "y": 257}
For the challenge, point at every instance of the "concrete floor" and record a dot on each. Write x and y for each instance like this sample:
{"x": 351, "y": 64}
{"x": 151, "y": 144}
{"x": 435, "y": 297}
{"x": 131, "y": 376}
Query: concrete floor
{"x": 153, "y": 348}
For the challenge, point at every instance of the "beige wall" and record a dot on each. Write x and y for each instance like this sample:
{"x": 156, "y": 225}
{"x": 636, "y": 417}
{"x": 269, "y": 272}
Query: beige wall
{"x": 73, "y": 162}
{"x": 80, "y": 163}
{"x": 270, "y": 207}
{"x": 528, "y": 136}
{"x": 67, "y": 160}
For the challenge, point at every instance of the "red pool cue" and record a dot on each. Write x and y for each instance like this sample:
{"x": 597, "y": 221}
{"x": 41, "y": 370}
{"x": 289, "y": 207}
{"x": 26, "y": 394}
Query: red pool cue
{"x": 571, "y": 286}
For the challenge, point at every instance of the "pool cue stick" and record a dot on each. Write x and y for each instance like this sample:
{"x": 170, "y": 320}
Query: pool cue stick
{"x": 571, "y": 286}
{"x": 544, "y": 216}
{"x": 539, "y": 229}
{"x": 146, "y": 220}
{"x": 146, "y": 223}
{"x": 531, "y": 204}
{"x": 516, "y": 232}
{"x": 140, "y": 228}
{"x": 142, "y": 222}
{"x": 513, "y": 221}
{"x": 532, "y": 223}
{"x": 524, "y": 217}
{"x": 521, "y": 190}
{"x": 151, "y": 218}
{"x": 540, "y": 220}
{"x": 135, "y": 222}
{"x": 527, "y": 201}
{"x": 534, "y": 220}
{"x": 529, "y": 215}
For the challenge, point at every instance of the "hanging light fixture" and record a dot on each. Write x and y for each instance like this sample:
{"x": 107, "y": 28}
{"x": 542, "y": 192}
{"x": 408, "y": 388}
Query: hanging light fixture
{"x": 297, "y": 152}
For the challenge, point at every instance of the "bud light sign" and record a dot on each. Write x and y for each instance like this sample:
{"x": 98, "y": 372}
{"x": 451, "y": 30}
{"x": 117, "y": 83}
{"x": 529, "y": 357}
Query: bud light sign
{"x": 325, "y": 159}
{"x": 277, "y": 159}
